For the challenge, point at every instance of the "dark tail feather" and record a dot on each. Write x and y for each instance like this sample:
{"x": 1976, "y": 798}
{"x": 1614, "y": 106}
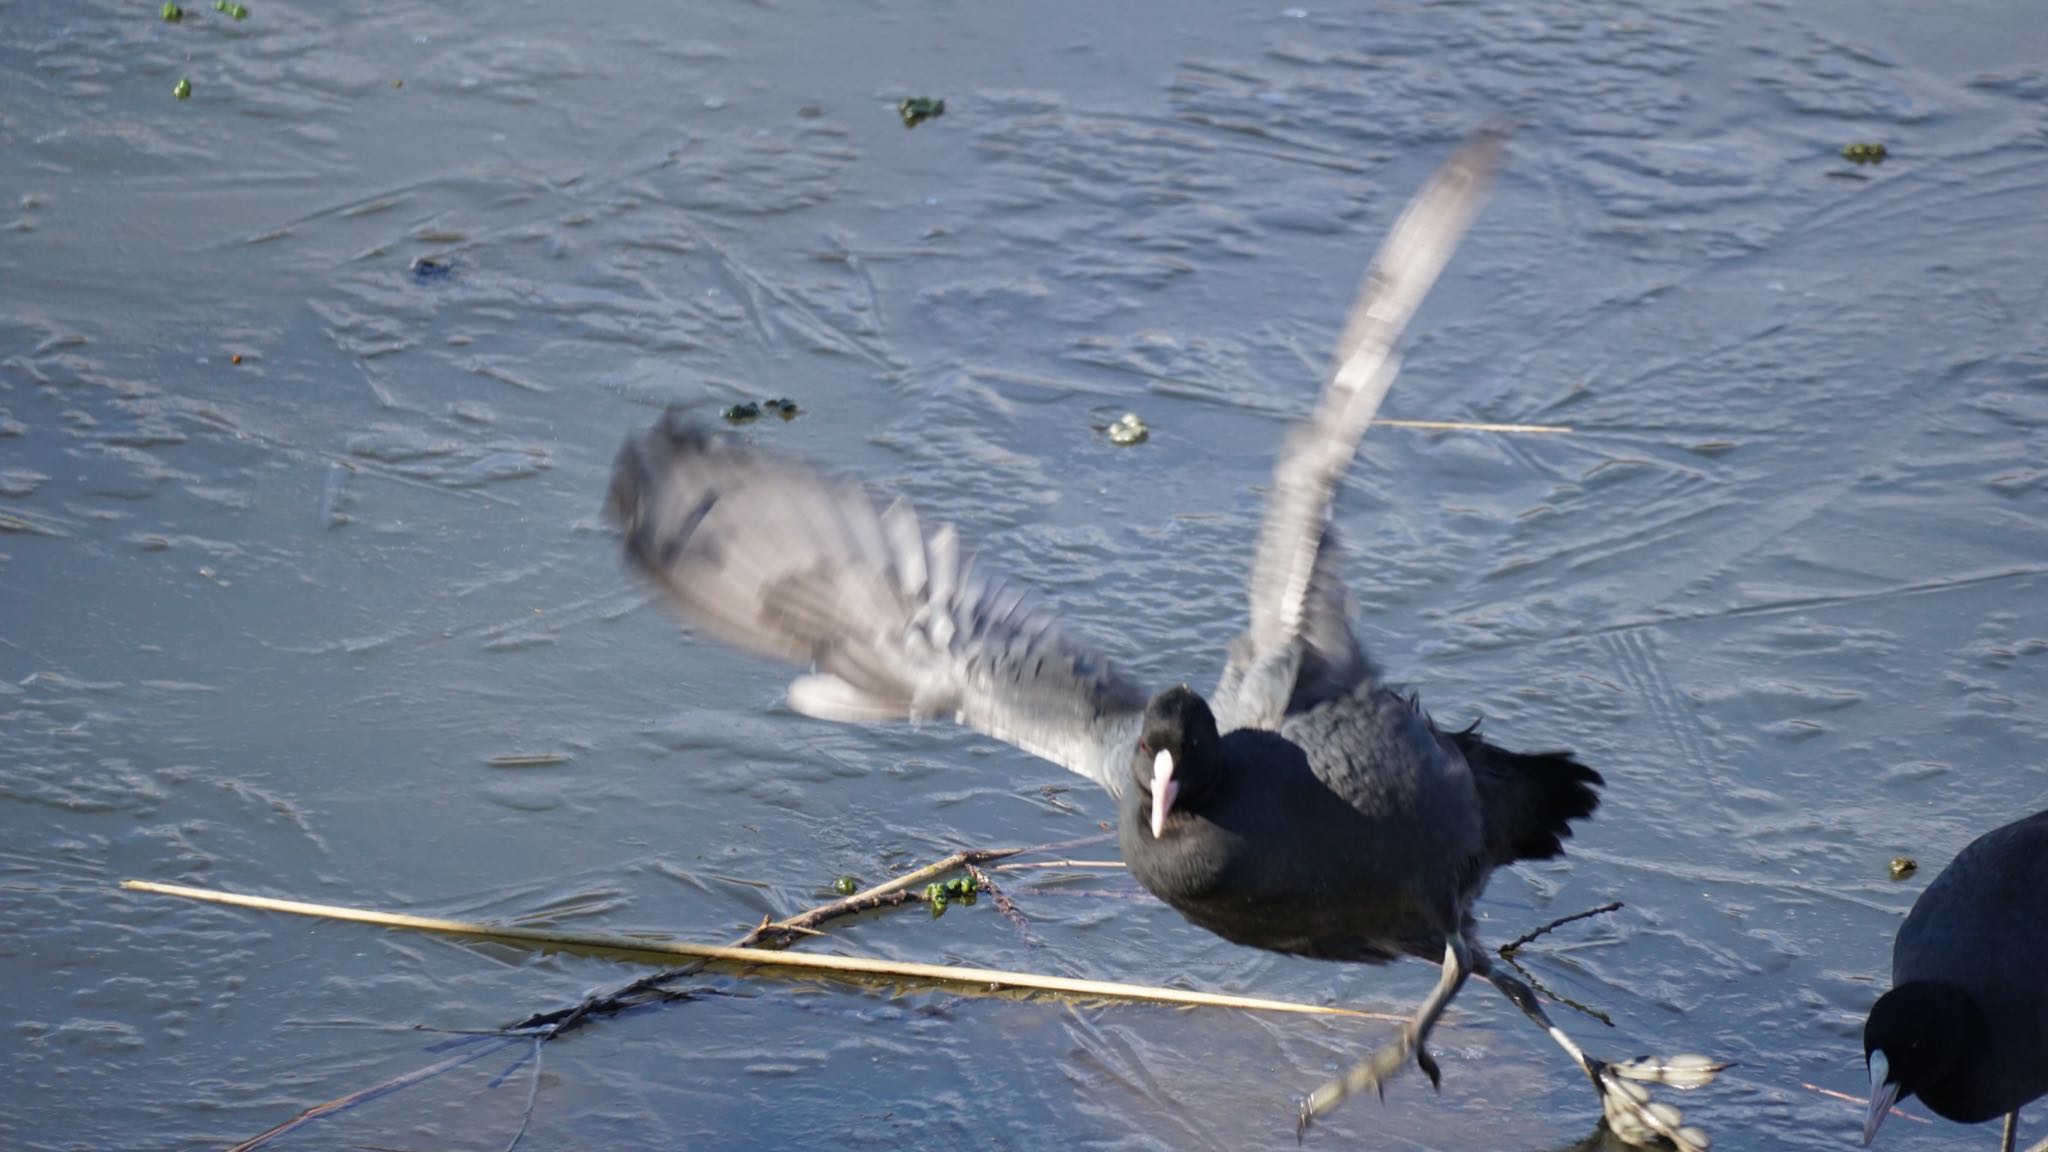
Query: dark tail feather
{"x": 1530, "y": 798}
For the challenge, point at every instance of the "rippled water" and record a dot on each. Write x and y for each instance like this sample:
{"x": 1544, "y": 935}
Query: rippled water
{"x": 267, "y": 623}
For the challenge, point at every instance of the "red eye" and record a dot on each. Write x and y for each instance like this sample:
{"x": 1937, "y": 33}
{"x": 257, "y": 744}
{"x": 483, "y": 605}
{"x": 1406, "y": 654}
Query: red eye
{"x": 1144, "y": 749}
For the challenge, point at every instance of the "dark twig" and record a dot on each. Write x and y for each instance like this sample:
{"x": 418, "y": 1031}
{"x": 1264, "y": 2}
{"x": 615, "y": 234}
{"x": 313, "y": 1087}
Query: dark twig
{"x": 1536, "y": 983}
{"x": 436, "y": 1031}
{"x": 340, "y": 1103}
{"x": 542, "y": 1027}
{"x": 1004, "y": 904}
{"x": 532, "y": 1096}
{"x": 770, "y": 934}
{"x": 1507, "y": 950}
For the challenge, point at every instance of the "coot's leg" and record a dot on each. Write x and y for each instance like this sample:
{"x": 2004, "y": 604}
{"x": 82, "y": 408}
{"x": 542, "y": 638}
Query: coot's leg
{"x": 1375, "y": 1072}
{"x": 2012, "y": 1134}
{"x": 1630, "y": 1112}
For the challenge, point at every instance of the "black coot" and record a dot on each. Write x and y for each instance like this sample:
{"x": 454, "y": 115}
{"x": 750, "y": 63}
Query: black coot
{"x": 1314, "y": 811}
{"x": 1965, "y": 1025}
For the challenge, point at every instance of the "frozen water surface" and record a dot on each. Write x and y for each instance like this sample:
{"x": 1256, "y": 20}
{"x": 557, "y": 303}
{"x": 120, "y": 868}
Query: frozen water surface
{"x": 265, "y": 625}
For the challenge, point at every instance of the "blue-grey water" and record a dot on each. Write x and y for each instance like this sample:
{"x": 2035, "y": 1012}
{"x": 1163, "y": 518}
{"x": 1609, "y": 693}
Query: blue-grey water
{"x": 265, "y": 625}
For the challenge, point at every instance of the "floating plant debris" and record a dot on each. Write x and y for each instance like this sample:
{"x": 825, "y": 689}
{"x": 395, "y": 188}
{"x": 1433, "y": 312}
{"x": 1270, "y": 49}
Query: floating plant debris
{"x": 1904, "y": 866}
{"x": 529, "y": 760}
{"x": 1129, "y": 430}
{"x": 1864, "y": 152}
{"x": 182, "y": 89}
{"x": 747, "y": 412}
{"x": 432, "y": 268}
{"x": 939, "y": 895}
{"x": 918, "y": 109}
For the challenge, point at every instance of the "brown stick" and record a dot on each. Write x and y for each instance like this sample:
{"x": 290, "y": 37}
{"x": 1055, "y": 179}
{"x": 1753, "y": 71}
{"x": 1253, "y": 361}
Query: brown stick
{"x": 553, "y": 1025}
{"x": 991, "y": 979}
{"x": 1860, "y": 1102}
{"x": 779, "y": 934}
{"x": 1004, "y": 904}
{"x": 768, "y": 934}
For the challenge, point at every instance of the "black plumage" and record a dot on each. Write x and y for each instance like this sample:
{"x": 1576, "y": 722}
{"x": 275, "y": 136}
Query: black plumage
{"x": 1965, "y": 1024}
{"x": 1357, "y": 831}
{"x": 1314, "y": 811}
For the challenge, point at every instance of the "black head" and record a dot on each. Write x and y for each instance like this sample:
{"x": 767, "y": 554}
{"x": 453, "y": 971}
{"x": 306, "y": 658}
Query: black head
{"x": 1179, "y": 763}
{"x": 1914, "y": 1037}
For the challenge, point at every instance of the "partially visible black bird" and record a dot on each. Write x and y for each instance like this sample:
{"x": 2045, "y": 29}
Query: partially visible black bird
{"x": 1965, "y": 1025}
{"x": 1314, "y": 812}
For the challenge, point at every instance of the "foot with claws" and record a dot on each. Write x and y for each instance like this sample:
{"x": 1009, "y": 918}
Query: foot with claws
{"x": 1630, "y": 1111}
